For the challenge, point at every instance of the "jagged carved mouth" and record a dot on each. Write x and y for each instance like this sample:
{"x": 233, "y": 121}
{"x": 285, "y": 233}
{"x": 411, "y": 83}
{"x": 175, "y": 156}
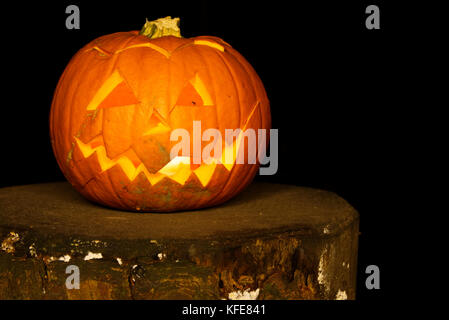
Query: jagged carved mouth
{"x": 179, "y": 168}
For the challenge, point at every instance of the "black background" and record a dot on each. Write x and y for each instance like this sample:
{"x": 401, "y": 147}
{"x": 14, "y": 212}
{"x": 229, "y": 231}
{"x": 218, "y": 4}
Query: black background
{"x": 330, "y": 82}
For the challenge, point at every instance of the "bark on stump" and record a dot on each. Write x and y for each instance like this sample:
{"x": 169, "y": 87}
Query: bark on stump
{"x": 272, "y": 241}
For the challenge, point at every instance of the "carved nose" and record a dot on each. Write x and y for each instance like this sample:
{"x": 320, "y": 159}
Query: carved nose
{"x": 159, "y": 128}
{"x": 162, "y": 113}
{"x": 158, "y": 124}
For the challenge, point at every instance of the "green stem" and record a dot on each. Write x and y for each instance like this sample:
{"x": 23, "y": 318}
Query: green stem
{"x": 161, "y": 27}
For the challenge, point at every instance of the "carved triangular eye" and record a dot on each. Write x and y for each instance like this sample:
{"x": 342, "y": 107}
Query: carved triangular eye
{"x": 114, "y": 92}
{"x": 194, "y": 94}
{"x": 121, "y": 95}
{"x": 189, "y": 97}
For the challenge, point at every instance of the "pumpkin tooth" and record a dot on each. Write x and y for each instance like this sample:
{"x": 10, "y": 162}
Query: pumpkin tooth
{"x": 229, "y": 155}
{"x": 172, "y": 167}
{"x": 178, "y": 169}
{"x": 124, "y": 162}
{"x": 205, "y": 171}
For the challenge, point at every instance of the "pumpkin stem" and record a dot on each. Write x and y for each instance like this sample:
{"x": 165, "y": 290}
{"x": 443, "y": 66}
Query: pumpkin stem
{"x": 161, "y": 27}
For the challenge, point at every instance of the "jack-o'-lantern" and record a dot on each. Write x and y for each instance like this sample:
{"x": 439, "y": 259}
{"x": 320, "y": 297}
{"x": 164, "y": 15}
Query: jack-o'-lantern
{"x": 122, "y": 95}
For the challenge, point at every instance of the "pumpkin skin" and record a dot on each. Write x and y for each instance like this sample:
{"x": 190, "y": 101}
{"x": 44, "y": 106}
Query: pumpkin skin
{"x": 121, "y": 96}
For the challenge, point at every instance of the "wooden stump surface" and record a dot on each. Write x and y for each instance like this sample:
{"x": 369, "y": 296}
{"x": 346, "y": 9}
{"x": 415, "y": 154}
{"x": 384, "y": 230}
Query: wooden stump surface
{"x": 272, "y": 241}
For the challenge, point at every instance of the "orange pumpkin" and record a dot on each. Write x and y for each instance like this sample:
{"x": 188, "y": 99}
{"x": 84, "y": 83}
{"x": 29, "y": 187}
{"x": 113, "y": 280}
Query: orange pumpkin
{"x": 122, "y": 95}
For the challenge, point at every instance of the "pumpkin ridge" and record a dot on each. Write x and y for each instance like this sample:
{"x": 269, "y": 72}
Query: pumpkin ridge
{"x": 111, "y": 185}
{"x": 85, "y": 66}
{"x": 237, "y": 147}
{"x": 150, "y": 45}
{"x": 88, "y": 180}
{"x": 233, "y": 77}
{"x": 255, "y": 82}
{"x": 199, "y": 53}
{"x": 256, "y": 105}
{"x": 102, "y": 51}
{"x": 255, "y": 85}
{"x": 182, "y": 46}
{"x": 220, "y": 54}
{"x": 196, "y": 41}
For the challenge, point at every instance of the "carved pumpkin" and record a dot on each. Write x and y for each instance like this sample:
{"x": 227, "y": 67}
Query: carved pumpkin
{"x": 122, "y": 95}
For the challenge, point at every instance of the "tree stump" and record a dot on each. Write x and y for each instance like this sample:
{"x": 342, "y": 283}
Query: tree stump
{"x": 271, "y": 242}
